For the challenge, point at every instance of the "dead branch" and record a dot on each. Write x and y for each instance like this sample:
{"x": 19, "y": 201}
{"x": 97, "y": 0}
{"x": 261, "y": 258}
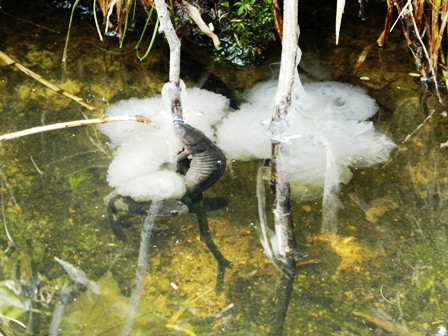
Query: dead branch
{"x": 283, "y": 220}
{"x": 166, "y": 26}
{"x": 69, "y": 124}
{"x": 9, "y": 61}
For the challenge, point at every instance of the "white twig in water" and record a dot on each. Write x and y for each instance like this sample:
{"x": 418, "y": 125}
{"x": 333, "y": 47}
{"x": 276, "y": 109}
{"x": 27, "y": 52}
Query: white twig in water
{"x": 289, "y": 58}
{"x": 74, "y": 123}
{"x": 406, "y": 139}
{"x": 109, "y": 13}
{"x": 142, "y": 265}
{"x": 166, "y": 26}
{"x": 404, "y": 10}
{"x": 382, "y": 295}
{"x": 225, "y": 310}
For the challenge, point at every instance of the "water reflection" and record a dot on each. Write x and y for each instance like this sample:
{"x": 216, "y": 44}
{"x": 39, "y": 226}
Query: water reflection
{"x": 385, "y": 273}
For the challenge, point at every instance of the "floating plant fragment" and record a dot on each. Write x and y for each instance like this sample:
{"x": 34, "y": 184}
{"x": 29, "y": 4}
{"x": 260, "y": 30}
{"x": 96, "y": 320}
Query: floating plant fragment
{"x": 107, "y": 313}
{"x": 79, "y": 276}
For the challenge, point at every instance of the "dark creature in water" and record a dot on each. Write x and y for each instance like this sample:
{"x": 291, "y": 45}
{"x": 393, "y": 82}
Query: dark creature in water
{"x": 202, "y": 163}
{"x": 205, "y": 168}
{"x": 207, "y": 164}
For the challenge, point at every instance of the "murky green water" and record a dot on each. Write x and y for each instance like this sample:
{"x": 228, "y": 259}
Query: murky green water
{"x": 388, "y": 264}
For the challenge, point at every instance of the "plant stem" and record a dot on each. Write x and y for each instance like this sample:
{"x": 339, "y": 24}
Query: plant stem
{"x": 284, "y": 227}
{"x": 166, "y": 26}
{"x": 74, "y": 123}
{"x": 9, "y": 61}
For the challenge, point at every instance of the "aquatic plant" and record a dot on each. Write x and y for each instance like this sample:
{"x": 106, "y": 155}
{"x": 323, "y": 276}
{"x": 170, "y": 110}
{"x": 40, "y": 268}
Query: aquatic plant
{"x": 119, "y": 16}
{"x": 13, "y": 306}
{"x": 424, "y": 27}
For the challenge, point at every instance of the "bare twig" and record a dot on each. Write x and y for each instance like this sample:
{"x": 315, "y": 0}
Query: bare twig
{"x": 283, "y": 220}
{"x": 74, "y": 123}
{"x": 284, "y": 228}
{"x": 391, "y": 327}
{"x": 419, "y": 126}
{"x": 142, "y": 264}
{"x": 166, "y": 26}
{"x": 9, "y": 61}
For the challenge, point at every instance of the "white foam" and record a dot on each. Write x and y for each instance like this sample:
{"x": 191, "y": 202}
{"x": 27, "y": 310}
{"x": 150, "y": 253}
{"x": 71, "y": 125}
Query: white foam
{"x": 144, "y": 162}
{"x": 326, "y": 134}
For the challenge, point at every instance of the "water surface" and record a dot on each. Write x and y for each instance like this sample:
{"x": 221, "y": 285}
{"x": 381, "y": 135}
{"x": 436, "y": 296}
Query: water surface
{"x": 386, "y": 273}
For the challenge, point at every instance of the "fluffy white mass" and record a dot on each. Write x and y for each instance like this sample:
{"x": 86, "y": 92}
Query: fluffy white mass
{"x": 326, "y": 134}
{"x": 144, "y": 162}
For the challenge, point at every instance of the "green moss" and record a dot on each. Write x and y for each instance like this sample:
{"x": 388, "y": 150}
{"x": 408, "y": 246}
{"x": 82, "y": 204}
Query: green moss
{"x": 76, "y": 179}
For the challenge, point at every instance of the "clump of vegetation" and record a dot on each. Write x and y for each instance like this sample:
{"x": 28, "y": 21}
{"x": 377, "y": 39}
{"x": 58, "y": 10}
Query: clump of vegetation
{"x": 424, "y": 25}
{"x": 247, "y": 29}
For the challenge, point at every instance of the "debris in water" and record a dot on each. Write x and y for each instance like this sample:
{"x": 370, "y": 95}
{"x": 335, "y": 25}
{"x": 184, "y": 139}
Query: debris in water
{"x": 78, "y": 276}
{"x": 391, "y": 327}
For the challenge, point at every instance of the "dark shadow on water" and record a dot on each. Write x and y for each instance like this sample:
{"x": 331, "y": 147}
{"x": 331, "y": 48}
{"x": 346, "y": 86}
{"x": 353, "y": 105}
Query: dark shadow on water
{"x": 118, "y": 207}
{"x": 197, "y": 207}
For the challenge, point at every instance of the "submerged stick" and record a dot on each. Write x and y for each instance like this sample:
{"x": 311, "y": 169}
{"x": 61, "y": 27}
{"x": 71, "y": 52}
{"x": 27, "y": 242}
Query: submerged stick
{"x": 390, "y": 327}
{"x": 9, "y": 61}
{"x": 74, "y": 123}
{"x": 284, "y": 228}
{"x": 171, "y": 324}
{"x": 58, "y": 311}
{"x": 282, "y": 297}
{"x": 142, "y": 264}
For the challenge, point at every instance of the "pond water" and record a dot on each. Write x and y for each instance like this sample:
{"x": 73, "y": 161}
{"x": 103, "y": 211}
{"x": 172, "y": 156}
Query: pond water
{"x": 385, "y": 272}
